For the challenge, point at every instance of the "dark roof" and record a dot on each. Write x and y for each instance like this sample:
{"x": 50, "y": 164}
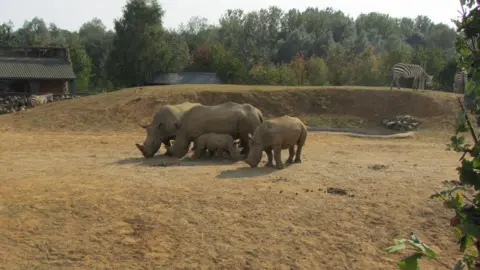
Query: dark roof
{"x": 35, "y": 68}
{"x": 186, "y": 78}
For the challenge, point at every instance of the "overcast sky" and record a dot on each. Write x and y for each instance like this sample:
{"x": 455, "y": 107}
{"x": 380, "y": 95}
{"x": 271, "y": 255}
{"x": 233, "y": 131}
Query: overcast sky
{"x": 71, "y": 14}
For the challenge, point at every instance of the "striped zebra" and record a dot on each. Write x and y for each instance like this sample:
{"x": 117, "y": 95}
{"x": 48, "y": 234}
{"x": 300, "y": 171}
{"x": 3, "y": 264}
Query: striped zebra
{"x": 35, "y": 100}
{"x": 460, "y": 81}
{"x": 402, "y": 70}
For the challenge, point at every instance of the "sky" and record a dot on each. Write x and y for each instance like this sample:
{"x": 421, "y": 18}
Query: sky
{"x": 71, "y": 14}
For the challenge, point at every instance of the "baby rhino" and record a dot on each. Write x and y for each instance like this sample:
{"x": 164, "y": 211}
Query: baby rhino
{"x": 215, "y": 143}
{"x": 277, "y": 134}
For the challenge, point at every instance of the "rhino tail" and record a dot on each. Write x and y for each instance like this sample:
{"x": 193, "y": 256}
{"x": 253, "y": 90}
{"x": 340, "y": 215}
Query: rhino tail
{"x": 303, "y": 136}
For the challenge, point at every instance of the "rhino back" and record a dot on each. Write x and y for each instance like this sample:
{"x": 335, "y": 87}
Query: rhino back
{"x": 221, "y": 119}
{"x": 283, "y": 130}
{"x": 253, "y": 118}
{"x": 170, "y": 115}
{"x": 184, "y": 107}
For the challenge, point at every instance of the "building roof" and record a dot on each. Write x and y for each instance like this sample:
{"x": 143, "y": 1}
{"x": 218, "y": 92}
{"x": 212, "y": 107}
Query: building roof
{"x": 186, "y": 78}
{"x": 35, "y": 68}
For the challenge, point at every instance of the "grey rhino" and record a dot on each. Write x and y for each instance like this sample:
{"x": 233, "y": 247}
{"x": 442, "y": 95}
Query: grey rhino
{"x": 237, "y": 120}
{"x": 277, "y": 134}
{"x": 164, "y": 127}
{"x": 215, "y": 143}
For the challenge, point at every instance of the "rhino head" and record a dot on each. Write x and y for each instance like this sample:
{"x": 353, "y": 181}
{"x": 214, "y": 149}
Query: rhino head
{"x": 152, "y": 143}
{"x": 255, "y": 153}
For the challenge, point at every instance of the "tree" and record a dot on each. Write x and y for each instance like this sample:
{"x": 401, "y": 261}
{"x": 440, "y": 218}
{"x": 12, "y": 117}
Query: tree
{"x": 317, "y": 71}
{"x": 81, "y": 62}
{"x": 34, "y": 33}
{"x": 298, "y": 65}
{"x": 8, "y": 37}
{"x": 96, "y": 41}
{"x": 141, "y": 22}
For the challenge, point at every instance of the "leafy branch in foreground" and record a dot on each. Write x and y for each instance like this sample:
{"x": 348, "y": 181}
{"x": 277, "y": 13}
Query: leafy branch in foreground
{"x": 467, "y": 213}
{"x": 422, "y": 250}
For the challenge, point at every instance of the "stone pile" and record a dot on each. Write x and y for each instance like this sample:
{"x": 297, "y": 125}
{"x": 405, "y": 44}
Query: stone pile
{"x": 10, "y": 104}
{"x": 402, "y": 123}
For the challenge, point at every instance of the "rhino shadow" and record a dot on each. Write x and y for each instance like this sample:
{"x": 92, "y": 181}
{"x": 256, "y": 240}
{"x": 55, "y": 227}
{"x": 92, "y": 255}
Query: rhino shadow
{"x": 167, "y": 161}
{"x": 246, "y": 172}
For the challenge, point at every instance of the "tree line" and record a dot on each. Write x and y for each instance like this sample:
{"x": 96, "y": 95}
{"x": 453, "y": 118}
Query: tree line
{"x": 269, "y": 46}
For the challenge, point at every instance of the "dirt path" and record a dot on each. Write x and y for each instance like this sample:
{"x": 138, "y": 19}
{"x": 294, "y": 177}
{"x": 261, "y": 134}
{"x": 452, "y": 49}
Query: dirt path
{"x": 89, "y": 200}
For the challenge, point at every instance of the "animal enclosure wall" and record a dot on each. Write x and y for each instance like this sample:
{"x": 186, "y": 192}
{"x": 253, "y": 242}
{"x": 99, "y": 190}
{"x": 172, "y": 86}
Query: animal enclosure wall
{"x": 52, "y": 86}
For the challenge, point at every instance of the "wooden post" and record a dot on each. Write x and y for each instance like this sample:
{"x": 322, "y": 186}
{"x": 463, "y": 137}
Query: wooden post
{"x": 71, "y": 87}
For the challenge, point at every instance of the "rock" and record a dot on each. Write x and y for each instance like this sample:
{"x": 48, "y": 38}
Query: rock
{"x": 402, "y": 123}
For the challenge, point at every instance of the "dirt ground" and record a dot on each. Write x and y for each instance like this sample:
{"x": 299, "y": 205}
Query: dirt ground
{"x": 89, "y": 201}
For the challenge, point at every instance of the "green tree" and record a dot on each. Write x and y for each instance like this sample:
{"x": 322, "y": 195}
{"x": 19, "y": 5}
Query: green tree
{"x": 317, "y": 71}
{"x": 138, "y": 28}
{"x": 81, "y": 62}
{"x": 8, "y": 37}
{"x": 34, "y": 33}
{"x": 97, "y": 41}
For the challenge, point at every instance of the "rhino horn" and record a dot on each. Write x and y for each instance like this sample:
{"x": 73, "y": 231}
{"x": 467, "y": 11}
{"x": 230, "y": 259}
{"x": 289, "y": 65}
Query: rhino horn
{"x": 143, "y": 126}
{"x": 140, "y": 147}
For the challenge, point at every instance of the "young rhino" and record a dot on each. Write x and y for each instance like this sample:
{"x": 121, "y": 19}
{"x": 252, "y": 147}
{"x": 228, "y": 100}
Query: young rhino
{"x": 215, "y": 143}
{"x": 277, "y": 134}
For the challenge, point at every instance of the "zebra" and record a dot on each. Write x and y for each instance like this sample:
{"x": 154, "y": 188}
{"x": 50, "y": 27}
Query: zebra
{"x": 402, "y": 70}
{"x": 35, "y": 100}
{"x": 460, "y": 81}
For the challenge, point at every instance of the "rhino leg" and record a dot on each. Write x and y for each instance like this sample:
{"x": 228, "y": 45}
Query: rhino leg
{"x": 270, "y": 157}
{"x": 244, "y": 145}
{"x": 233, "y": 151}
{"x": 299, "y": 152}
{"x": 291, "y": 153}
{"x": 277, "y": 154}
{"x": 198, "y": 152}
{"x": 167, "y": 142}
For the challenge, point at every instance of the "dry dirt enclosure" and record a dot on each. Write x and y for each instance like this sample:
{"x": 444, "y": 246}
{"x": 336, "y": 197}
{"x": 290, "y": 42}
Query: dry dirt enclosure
{"x": 74, "y": 197}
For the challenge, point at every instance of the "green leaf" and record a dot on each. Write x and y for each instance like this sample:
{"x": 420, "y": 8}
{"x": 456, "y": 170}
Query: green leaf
{"x": 430, "y": 252}
{"x": 417, "y": 245}
{"x": 395, "y": 248}
{"x": 470, "y": 229}
{"x": 410, "y": 262}
{"x": 465, "y": 242}
{"x": 398, "y": 241}
{"x": 467, "y": 175}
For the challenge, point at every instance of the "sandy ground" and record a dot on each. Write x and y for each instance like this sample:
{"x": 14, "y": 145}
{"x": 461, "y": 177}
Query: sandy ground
{"x": 89, "y": 201}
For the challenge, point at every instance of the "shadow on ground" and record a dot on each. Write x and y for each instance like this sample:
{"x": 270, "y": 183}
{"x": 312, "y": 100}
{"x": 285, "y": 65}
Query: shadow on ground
{"x": 167, "y": 161}
{"x": 247, "y": 172}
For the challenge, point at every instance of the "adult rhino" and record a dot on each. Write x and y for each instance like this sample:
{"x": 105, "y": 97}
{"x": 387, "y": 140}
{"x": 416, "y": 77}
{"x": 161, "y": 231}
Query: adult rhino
{"x": 164, "y": 127}
{"x": 237, "y": 120}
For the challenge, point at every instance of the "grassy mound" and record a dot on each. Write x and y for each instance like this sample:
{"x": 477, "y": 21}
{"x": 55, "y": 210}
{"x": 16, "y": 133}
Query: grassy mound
{"x": 347, "y": 106}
